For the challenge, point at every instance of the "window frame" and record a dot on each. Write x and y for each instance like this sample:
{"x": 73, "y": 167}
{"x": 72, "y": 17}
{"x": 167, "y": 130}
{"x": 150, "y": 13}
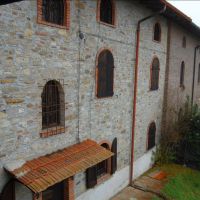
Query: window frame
{"x": 148, "y": 136}
{"x": 58, "y": 128}
{"x": 66, "y": 16}
{"x": 151, "y": 74}
{"x": 98, "y": 13}
{"x": 97, "y": 74}
{"x": 160, "y": 35}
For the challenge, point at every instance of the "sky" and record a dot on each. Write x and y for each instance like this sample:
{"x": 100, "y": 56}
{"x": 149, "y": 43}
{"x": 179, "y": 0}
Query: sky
{"x": 189, "y": 7}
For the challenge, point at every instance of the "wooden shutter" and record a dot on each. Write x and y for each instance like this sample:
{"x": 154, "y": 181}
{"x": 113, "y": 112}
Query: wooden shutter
{"x": 114, "y": 157}
{"x": 91, "y": 177}
{"x": 109, "y": 74}
{"x": 8, "y": 192}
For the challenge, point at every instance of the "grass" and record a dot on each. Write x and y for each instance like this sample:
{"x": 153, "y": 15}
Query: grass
{"x": 183, "y": 183}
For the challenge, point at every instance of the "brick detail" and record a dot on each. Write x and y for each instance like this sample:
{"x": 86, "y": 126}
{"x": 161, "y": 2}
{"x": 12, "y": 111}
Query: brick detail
{"x": 67, "y": 16}
{"x": 69, "y": 191}
{"x": 5, "y": 81}
{"x": 52, "y": 131}
{"x": 113, "y": 14}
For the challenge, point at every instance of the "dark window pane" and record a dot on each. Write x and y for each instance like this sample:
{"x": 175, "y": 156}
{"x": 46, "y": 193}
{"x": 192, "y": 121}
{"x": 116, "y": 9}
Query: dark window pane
{"x": 184, "y": 42}
{"x": 55, "y": 192}
{"x": 151, "y": 135}
{"x": 53, "y": 11}
{"x": 157, "y": 32}
{"x": 155, "y": 74}
{"x": 199, "y": 74}
{"x": 105, "y": 75}
{"x": 106, "y": 11}
{"x": 102, "y": 166}
{"x": 50, "y": 105}
{"x": 182, "y": 74}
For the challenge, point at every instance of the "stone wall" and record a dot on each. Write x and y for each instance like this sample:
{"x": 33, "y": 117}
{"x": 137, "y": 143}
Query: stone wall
{"x": 175, "y": 94}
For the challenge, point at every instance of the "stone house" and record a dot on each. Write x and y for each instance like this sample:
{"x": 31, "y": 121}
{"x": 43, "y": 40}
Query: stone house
{"x": 67, "y": 97}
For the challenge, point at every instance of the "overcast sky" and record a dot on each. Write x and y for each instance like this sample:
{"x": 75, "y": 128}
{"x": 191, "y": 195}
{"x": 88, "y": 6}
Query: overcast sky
{"x": 190, "y": 8}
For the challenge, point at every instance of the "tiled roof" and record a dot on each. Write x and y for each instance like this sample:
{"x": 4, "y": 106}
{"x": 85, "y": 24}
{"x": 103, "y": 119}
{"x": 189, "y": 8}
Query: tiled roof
{"x": 43, "y": 172}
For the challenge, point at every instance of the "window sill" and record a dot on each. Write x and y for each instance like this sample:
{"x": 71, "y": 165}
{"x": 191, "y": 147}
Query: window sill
{"x": 156, "y": 41}
{"x": 153, "y": 90}
{"x": 106, "y": 24}
{"x": 52, "y": 131}
{"x": 103, "y": 178}
{"x": 52, "y": 24}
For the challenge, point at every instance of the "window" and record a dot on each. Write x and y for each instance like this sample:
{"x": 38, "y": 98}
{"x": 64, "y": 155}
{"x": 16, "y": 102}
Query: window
{"x": 105, "y": 74}
{"x": 98, "y": 172}
{"x": 54, "y": 13}
{"x": 184, "y": 42}
{"x": 182, "y": 74}
{"x": 53, "y": 107}
{"x": 155, "y": 68}
{"x": 199, "y": 74}
{"x": 106, "y": 11}
{"x": 55, "y": 192}
{"x": 157, "y": 32}
{"x": 151, "y": 136}
{"x": 102, "y": 167}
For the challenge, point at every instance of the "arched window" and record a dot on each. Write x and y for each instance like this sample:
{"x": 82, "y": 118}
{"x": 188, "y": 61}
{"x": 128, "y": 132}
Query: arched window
{"x": 54, "y": 12}
{"x": 157, "y": 32}
{"x": 155, "y": 68}
{"x": 151, "y": 136}
{"x": 184, "y": 42}
{"x": 106, "y": 9}
{"x": 52, "y": 105}
{"x": 105, "y": 74}
{"x": 182, "y": 74}
{"x": 199, "y": 74}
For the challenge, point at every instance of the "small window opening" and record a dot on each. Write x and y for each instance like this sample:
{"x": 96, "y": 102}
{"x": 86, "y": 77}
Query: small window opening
{"x": 105, "y": 74}
{"x": 157, "y": 32}
{"x": 182, "y": 74}
{"x": 106, "y": 11}
{"x": 151, "y": 136}
{"x": 53, "y": 11}
{"x": 155, "y": 69}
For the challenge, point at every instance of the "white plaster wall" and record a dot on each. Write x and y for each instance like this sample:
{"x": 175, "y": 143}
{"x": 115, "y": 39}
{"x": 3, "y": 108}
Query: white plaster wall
{"x": 119, "y": 180}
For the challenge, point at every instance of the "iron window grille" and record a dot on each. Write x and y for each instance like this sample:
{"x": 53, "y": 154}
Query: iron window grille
{"x": 107, "y": 11}
{"x": 105, "y": 74}
{"x": 53, "y": 107}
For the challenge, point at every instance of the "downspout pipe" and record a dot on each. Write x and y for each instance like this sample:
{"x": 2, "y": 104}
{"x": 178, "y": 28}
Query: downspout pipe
{"x": 194, "y": 69}
{"x": 135, "y": 86}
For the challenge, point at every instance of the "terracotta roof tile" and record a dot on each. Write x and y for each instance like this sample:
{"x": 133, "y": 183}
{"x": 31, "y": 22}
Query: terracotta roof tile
{"x": 41, "y": 173}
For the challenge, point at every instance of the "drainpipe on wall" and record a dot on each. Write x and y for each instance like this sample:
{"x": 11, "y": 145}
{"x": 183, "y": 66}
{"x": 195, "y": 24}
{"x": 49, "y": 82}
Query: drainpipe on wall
{"x": 135, "y": 86}
{"x": 194, "y": 68}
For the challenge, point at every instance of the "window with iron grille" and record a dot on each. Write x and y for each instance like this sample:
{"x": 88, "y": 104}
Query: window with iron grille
{"x": 53, "y": 107}
{"x": 155, "y": 69}
{"x": 199, "y": 74}
{"x": 107, "y": 11}
{"x": 54, "y": 12}
{"x": 102, "y": 167}
{"x": 184, "y": 42}
{"x": 151, "y": 136}
{"x": 182, "y": 74}
{"x": 157, "y": 32}
{"x": 105, "y": 74}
